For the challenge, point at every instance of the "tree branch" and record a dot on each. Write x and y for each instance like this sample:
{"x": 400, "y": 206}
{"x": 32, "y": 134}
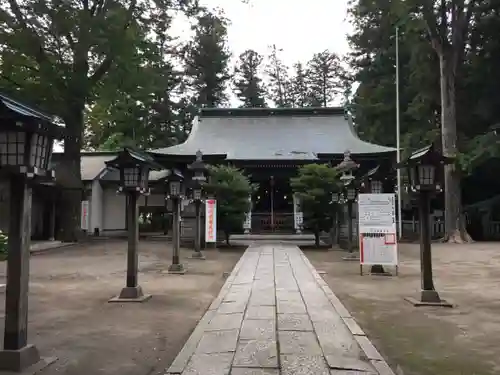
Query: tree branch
{"x": 39, "y": 53}
{"x": 432, "y": 26}
{"x": 460, "y": 29}
{"x": 106, "y": 64}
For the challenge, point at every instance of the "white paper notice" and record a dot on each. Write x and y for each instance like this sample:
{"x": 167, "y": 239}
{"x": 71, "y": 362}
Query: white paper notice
{"x": 377, "y": 213}
{"x": 378, "y": 249}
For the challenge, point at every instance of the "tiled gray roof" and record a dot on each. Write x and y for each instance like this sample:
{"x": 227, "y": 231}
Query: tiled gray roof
{"x": 266, "y": 134}
{"x": 93, "y": 165}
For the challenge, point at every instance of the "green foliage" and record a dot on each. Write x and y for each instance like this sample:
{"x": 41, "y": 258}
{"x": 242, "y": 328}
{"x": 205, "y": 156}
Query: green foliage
{"x": 325, "y": 78}
{"x": 280, "y": 87}
{"x": 247, "y": 81}
{"x": 3, "y": 245}
{"x": 207, "y": 60}
{"x": 231, "y": 188}
{"x": 315, "y": 185}
{"x": 73, "y": 57}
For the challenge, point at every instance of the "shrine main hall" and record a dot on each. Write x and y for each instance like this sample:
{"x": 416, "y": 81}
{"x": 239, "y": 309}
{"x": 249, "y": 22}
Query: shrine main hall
{"x": 268, "y": 144}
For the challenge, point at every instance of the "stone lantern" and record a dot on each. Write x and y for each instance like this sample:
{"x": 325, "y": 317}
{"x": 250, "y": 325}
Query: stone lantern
{"x": 175, "y": 194}
{"x": 199, "y": 178}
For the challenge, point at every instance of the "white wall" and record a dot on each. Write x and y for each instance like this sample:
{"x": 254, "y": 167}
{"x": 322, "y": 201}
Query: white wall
{"x": 96, "y": 207}
{"x": 114, "y": 210}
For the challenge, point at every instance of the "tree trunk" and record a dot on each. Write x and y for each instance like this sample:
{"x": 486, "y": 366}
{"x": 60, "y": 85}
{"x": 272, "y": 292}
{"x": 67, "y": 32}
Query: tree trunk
{"x": 455, "y": 230}
{"x": 71, "y": 194}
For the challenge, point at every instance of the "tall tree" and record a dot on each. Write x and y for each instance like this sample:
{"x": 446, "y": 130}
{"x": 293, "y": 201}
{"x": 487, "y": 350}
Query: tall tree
{"x": 280, "y": 86}
{"x": 448, "y": 25}
{"x": 325, "y": 78}
{"x": 373, "y": 62}
{"x": 66, "y": 50}
{"x": 207, "y": 60}
{"x": 300, "y": 89}
{"x": 247, "y": 81}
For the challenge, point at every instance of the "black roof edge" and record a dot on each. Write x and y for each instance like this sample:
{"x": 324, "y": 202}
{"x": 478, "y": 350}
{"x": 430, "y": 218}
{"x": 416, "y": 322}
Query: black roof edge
{"x": 261, "y": 112}
{"x": 35, "y": 111}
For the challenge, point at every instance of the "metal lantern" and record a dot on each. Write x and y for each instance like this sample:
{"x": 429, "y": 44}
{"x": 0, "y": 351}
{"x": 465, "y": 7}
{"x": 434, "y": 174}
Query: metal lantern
{"x": 134, "y": 167}
{"x": 422, "y": 175}
{"x": 199, "y": 169}
{"x": 422, "y": 166}
{"x": 175, "y": 184}
{"x": 26, "y": 138}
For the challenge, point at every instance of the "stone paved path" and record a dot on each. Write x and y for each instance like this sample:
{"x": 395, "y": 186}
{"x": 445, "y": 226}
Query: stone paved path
{"x": 276, "y": 316}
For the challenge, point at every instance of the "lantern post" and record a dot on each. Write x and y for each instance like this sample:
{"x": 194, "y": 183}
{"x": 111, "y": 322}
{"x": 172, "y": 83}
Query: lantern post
{"x": 423, "y": 169}
{"x": 134, "y": 168}
{"x": 350, "y": 193}
{"x": 175, "y": 195}
{"x": 26, "y": 142}
{"x": 199, "y": 170}
{"x": 337, "y": 201}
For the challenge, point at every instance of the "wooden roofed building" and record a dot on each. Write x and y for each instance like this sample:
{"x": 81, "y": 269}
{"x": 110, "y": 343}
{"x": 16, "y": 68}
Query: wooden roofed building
{"x": 269, "y": 145}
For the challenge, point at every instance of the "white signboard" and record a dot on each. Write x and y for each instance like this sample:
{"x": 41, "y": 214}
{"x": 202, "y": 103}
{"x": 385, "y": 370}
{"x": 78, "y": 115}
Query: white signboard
{"x": 378, "y": 248}
{"x": 377, "y": 213}
{"x": 377, "y": 228}
{"x": 210, "y": 220}
{"x": 85, "y": 216}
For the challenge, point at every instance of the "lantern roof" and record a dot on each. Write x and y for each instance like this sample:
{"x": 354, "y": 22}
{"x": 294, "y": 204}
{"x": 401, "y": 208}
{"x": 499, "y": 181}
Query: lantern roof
{"x": 30, "y": 118}
{"x": 175, "y": 175}
{"x": 347, "y": 164}
{"x": 425, "y": 155}
{"x": 129, "y": 157}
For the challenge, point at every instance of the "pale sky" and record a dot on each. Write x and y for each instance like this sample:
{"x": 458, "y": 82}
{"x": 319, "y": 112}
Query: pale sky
{"x": 301, "y": 28}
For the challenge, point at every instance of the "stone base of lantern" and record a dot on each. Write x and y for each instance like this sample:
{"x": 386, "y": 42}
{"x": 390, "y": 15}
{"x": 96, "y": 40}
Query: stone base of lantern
{"x": 197, "y": 255}
{"x": 25, "y": 361}
{"x": 131, "y": 294}
{"x": 351, "y": 257}
{"x": 428, "y": 298}
{"x": 177, "y": 269}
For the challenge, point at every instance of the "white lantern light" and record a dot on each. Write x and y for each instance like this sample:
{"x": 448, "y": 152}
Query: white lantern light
{"x": 175, "y": 188}
{"x": 426, "y": 174}
{"x": 131, "y": 177}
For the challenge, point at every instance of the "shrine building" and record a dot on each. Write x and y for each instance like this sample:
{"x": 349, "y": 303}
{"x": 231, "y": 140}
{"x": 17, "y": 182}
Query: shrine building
{"x": 268, "y": 144}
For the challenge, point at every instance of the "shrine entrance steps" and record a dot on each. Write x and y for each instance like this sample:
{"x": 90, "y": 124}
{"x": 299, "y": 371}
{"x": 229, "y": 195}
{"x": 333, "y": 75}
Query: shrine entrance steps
{"x": 304, "y": 239}
{"x": 276, "y": 316}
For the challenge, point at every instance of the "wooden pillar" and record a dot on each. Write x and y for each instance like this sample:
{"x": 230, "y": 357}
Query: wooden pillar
{"x": 17, "y": 354}
{"x": 132, "y": 291}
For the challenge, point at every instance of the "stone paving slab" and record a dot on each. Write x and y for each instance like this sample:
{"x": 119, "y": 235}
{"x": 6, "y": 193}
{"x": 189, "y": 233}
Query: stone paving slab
{"x": 275, "y": 315}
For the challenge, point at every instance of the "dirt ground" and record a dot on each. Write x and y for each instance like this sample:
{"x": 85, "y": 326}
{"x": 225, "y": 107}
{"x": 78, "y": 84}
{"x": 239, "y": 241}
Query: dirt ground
{"x": 70, "y": 318}
{"x": 464, "y": 340}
